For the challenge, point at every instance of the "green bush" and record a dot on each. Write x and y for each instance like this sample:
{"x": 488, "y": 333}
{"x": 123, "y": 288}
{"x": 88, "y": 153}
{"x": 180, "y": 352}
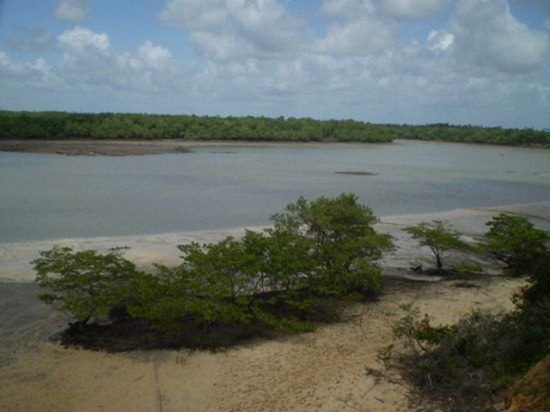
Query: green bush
{"x": 344, "y": 244}
{"x": 462, "y": 366}
{"x": 439, "y": 237}
{"x": 85, "y": 284}
{"x": 516, "y": 242}
{"x": 316, "y": 252}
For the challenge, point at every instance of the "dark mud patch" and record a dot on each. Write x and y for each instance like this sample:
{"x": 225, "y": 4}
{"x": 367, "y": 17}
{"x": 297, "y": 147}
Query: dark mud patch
{"x": 356, "y": 173}
{"x": 92, "y": 147}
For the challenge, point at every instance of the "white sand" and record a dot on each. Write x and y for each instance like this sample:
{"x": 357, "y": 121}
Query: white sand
{"x": 144, "y": 250}
{"x": 326, "y": 370}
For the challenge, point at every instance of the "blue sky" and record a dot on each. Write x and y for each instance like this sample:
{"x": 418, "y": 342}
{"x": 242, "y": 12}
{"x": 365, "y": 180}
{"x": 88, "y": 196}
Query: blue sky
{"x": 481, "y": 62}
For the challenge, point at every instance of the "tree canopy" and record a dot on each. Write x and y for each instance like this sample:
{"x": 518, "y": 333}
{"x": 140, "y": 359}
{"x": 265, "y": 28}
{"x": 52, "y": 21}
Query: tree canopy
{"x": 515, "y": 241}
{"x": 62, "y": 125}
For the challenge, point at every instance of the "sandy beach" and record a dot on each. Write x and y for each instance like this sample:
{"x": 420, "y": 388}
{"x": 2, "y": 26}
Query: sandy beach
{"x": 332, "y": 369}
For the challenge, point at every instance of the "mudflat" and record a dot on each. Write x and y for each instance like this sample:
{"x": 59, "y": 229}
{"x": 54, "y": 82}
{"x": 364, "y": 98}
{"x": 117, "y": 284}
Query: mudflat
{"x": 128, "y": 147}
{"x": 94, "y": 147}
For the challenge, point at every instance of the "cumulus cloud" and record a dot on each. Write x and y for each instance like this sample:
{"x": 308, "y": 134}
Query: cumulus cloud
{"x": 37, "y": 73}
{"x": 233, "y": 28}
{"x": 72, "y": 10}
{"x": 359, "y": 37}
{"x": 399, "y": 9}
{"x": 440, "y": 41}
{"x": 90, "y": 63}
{"x": 347, "y": 9}
{"x": 194, "y": 14}
{"x": 155, "y": 56}
{"x": 80, "y": 39}
{"x": 221, "y": 47}
{"x": 412, "y": 9}
{"x": 488, "y": 35}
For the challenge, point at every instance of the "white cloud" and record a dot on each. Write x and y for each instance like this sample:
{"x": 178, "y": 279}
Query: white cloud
{"x": 155, "y": 56}
{"x": 412, "y": 9}
{"x": 440, "y": 41}
{"x": 220, "y": 46}
{"x": 194, "y": 14}
{"x": 399, "y": 9}
{"x": 236, "y": 28}
{"x": 37, "y": 73}
{"x": 347, "y": 9}
{"x": 488, "y": 35}
{"x": 80, "y": 39}
{"x": 72, "y": 10}
{"x": 358, "y": 37}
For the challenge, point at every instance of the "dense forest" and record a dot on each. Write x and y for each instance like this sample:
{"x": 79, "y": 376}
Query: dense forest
{"x": 61, "y": 125}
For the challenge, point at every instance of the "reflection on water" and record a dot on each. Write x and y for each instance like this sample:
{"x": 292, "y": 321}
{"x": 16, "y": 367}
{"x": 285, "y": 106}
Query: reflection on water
{"x": 50, "y": 196}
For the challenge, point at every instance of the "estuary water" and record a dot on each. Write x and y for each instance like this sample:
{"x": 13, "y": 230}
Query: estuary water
{"x": 225, "y": 186}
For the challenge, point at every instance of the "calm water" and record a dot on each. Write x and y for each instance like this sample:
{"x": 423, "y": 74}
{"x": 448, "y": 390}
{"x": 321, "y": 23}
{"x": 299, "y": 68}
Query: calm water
{"x": 50, "y": 196}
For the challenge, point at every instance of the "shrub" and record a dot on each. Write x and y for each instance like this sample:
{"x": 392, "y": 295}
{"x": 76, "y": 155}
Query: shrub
{"x": 439, "y": 237}
{"x": 464, "y": 365}
{"x": 318, "y": 252}
{"x": 344, "y": 244}
{"x": 516, "y": 242}
{"x": 84, "y": 284}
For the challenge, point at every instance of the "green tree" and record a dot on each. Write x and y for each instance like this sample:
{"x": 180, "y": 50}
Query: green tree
{"x": 326, "y": 248}
{"x": 84, "y": 284}
{"x": 516, "y": 242}
{"x": 439, "y": 237}
{"x": 345, "y": 245}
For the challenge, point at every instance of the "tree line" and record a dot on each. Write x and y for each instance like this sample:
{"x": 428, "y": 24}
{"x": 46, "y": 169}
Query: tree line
{"x": 63, "y": 125}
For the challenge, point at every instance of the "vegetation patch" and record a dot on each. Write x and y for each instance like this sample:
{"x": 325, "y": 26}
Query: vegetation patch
{"x": 469, "y": 365}
{"x": 318, "y": 257}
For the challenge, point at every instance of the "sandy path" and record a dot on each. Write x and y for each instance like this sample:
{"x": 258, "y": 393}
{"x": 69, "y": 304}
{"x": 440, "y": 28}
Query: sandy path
{"x": 332, "y": 369}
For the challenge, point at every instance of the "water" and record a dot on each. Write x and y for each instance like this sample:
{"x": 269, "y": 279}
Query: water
{"x": 217, "y": 187}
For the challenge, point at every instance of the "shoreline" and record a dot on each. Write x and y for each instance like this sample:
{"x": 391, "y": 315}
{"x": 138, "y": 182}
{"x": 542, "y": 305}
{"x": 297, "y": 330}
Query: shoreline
{"x": 120, "y": 147}
{"x": 146, "y": 249}
{"x": 335, "y": 367}
{"x": 141, "y": 147}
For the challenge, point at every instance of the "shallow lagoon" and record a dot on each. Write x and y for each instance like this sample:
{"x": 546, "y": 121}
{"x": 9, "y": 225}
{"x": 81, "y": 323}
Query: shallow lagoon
{"x": 226, "y": 186}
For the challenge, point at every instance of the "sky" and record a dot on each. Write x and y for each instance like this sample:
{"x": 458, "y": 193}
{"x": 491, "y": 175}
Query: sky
{"x": 479, "y": 62}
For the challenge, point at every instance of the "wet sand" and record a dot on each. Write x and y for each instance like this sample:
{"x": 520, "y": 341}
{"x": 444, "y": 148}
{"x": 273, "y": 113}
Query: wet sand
{"x": 332, "y": 369}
